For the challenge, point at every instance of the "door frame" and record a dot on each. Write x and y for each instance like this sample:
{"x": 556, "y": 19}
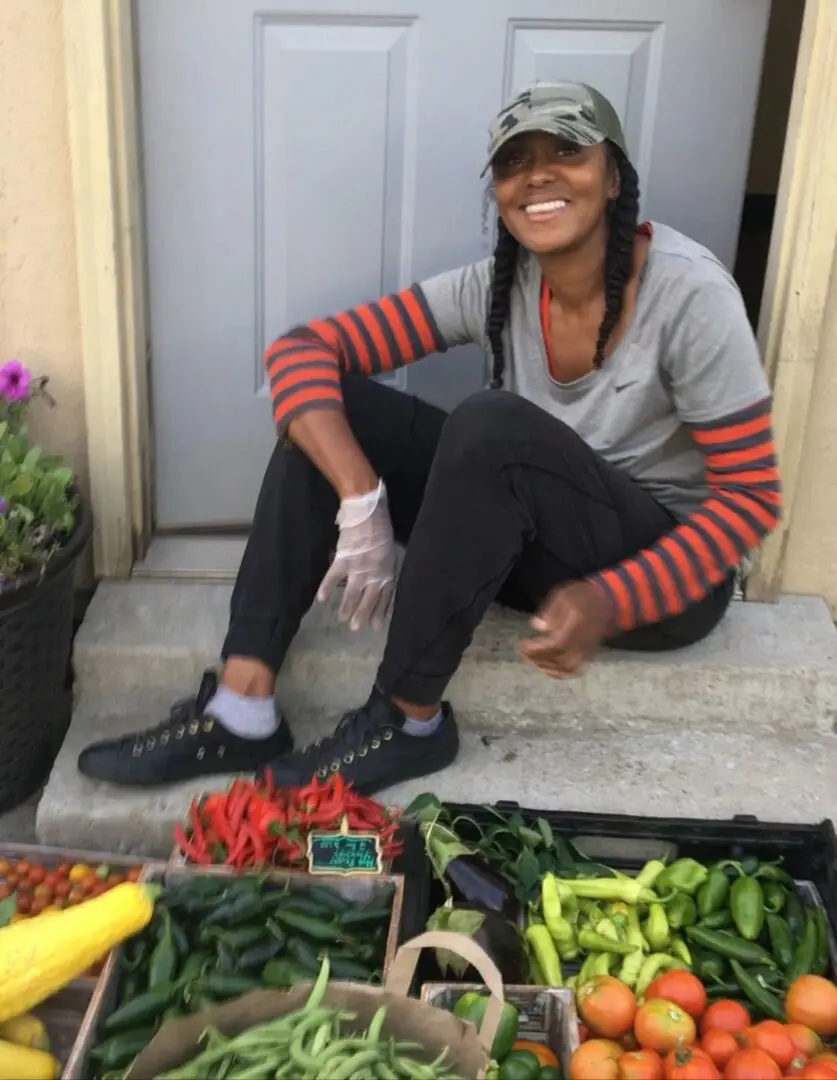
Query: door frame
{"x": 102, "y": 76}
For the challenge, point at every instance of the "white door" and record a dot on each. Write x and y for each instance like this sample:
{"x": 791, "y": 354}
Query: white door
{"x": 303, "y": 157}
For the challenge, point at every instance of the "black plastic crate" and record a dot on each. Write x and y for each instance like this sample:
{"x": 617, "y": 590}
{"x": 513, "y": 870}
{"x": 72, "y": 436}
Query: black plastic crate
{"x": 808, "y": 852}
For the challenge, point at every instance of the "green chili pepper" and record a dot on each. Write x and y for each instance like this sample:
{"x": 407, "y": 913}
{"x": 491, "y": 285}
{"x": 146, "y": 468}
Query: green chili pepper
{"x": 806, "y": 951}
{"x": 684, "y": 875}
{"x": 634, "y": 935}
{"x": 242, "y": 937}
{"x": 631, "y": 967}
{"x": 602, "y": 964}
{"x": 652, "y": 967}
{"x": 121, "y": 1049}
{"x": 746, "y": 902}
{"x": 607, "y": 928}
{"x": 712, "y": 895}
{"x": 708, "y": 965}
{"x": 589, "y": 941}
{"x": 758, "y": 995}
{"x": 180, "y": 938}
{"x": 546, "y": 955}
{"x": 822, "y": 958}
{"x": 795, "y": 916}
{"x": 775, "y": 896}
{"x": 143, "y": 1009}
{"x": 193, "y": 967}
{"x": 774, "y": 872}
{"x": 681, "y": 911}
{"x": 680, "y": 949}
{"x": 560, "y": 929}
{"x": 729, "y": 946}
{"x": 656, "y": 928}
{"x": 749, "y": 865}
{"x": 164, "y": 957}
{"x": 648, "y": 875}
{"x": 718, "y": 920}
{"x": 586, "y": 972}
{"x": 780, "y": 940}
{"x": 630, "y": 890}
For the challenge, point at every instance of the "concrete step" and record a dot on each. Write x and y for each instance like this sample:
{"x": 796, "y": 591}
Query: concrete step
{"x": 768, "y": 667}
{"x": 679, "y": 772}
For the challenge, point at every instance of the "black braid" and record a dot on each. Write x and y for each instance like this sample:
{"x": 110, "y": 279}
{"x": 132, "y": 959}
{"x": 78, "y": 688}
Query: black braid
{"x": 619, "y": 255}
{"x": 623, "y": 217}
{"x": 505, "y": 262}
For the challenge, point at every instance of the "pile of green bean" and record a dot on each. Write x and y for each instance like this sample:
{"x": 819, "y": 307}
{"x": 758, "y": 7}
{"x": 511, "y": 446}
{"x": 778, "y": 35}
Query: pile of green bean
{"x": 311, "y": 1043}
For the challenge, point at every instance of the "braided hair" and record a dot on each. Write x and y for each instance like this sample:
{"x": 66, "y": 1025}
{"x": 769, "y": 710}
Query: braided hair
{"x": 623, "y": 214}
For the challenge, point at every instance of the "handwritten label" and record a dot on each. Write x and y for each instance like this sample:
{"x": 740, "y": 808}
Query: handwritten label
{"x": 344, "y": 853}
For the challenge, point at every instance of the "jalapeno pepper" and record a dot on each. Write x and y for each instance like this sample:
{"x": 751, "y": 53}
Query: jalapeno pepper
{"x": 656, "y": 928}
{"x": 718, "y": 920}
{"x": 775, "y": 896}
{"x": 713, "y": 893}
{"x": 806, "y": 951}
{"x": 729, "y": 946}
{"x": 164, "y": 957}
{"x": 143, "y": 1009}
{"x": 795, "y": 916}
{"x": 758, "y": 995}
{"x": 121, "y": 1050}
{"x": 780, "y": 940}
{"x": 746, "y": 902}
{"x": 821, "y": 960}
{"x": 774, "y": 872}
{"x": 681, "y": 911}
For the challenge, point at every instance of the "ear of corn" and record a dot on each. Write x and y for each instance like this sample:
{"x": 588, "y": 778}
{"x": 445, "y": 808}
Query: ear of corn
{"x": 22, "y": 1063}
{"x": 25, "y": 1030}
{"x": 38, "y": 958}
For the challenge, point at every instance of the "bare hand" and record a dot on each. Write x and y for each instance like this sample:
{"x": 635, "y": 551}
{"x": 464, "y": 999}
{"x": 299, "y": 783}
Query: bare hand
{"x": 572, "y": 624}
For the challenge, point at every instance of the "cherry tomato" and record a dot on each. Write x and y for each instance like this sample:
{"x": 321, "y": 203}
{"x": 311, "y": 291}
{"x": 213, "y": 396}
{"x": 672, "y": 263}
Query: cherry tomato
{"x": 24, "y": 903}
{"x": 5, "y": 867}
{"x": 76, "y": 896}
{"x": 51, "y": 879}
{"x": 62, "y": 888}
{"x": 25, "y": 886}
{"x": 22, "y": 868}
{"x": 37, "y": 873}
{"x": 38, "y": 906}
{"x": 43, "y": 892}
{"x": 99, "y": 888}
{"x": 63, "y": 869}
{"x": 11, "y": 880}
{"x": 134, "y": 873}
{"x": 115, "y": 878}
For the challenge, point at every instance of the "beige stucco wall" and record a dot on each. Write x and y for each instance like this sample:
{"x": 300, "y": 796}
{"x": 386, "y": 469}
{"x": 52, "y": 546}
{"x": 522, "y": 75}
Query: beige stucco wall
{"x": 39, "y": 319}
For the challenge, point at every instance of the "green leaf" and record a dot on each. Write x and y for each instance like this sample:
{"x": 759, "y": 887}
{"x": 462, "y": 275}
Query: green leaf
{"x": 458, "y": 921}
{"x": 32, "y": 458}
{"x": 424, "y": 807}
{"x": 545, "y": 830}
{"x": 7, "y": 908}
{"x": 20, "y": 485}
{"x": 527, "y": 869}
{"x": 531, "y": 837}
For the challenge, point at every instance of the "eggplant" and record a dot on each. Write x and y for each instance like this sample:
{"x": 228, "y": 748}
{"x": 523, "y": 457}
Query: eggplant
{"x": 465, "y": 875}
{"x": 497, "y": 936}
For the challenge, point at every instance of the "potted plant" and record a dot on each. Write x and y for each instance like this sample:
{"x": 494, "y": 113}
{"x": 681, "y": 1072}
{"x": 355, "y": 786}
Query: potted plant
{"x": 44, "y": 526}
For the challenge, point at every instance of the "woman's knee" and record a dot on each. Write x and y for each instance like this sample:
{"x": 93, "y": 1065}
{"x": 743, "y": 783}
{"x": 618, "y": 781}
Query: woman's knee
{"x": 489, "y": 419}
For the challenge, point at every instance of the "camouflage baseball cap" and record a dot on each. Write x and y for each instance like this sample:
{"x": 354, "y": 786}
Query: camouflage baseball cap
{"x": 573, "y": 110}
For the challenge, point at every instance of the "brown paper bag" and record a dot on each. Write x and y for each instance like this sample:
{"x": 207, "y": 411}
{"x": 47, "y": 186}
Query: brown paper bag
{"x": 407, "y": 1018}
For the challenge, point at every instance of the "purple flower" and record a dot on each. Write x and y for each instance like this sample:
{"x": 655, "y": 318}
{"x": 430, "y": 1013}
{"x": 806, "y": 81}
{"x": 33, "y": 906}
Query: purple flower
{"x": 15, "y": 380}
{"x": 4, "y": 506}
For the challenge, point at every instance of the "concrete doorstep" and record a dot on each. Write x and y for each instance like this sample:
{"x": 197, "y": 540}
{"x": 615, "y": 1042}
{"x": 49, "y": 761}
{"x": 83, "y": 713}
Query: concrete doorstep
{"x": 742, "y": 723}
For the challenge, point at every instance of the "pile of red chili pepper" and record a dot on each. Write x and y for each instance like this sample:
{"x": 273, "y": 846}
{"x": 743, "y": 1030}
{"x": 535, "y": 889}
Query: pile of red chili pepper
{"x": 254, "y": 824}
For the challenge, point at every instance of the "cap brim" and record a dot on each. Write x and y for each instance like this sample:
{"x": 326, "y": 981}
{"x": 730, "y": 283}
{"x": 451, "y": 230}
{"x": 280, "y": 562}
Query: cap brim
{"x": 538, "y": 125}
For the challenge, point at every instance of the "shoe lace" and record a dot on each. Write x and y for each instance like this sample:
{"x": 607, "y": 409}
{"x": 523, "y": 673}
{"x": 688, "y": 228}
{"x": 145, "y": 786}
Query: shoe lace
{"x": 182, "y": 713}
{"x": 353, "y": 735}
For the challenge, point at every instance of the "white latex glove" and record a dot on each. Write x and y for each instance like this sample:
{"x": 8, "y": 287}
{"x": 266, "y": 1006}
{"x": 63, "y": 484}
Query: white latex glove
{"x": 365, "y": 559}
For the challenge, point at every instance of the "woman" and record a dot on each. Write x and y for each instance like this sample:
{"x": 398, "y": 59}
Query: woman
{"x": 609, "y": 482}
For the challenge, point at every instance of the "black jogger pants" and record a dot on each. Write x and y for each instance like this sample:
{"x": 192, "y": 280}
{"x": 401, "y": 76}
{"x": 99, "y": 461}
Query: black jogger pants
{"x": 498, "y": 500}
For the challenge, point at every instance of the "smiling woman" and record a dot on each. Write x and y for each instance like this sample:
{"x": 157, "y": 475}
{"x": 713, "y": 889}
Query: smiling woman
{"x": 608, "y": 483}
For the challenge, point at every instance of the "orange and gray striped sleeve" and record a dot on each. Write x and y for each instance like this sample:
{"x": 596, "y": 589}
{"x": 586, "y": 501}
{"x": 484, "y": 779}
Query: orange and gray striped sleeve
{"x": 743, "y": 506}
{"x": 304, "y": 366}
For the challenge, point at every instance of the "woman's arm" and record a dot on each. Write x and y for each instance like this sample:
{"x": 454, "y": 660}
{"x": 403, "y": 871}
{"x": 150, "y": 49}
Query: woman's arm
{"x": 304, "y": 366}
{"x": 721, "y": 393}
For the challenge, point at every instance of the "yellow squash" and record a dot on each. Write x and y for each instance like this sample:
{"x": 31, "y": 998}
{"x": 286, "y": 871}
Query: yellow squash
{"x": 25, "y": 1030}
{"x": 39, "y": 957}
{"x": 21, "y": 1063}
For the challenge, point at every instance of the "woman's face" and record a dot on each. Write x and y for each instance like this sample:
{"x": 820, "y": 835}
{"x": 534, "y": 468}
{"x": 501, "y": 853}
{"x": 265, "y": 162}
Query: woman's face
{"x": 552, "y": 194}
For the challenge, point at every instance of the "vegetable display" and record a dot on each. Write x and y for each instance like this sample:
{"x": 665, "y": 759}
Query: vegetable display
{"x": 312, "y": 1043}
{"x": 214, "y": 938}
{"x": 254, "y": 824}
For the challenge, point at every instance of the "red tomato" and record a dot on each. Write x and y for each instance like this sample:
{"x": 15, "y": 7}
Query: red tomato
{"x": 725, "y": 1014}
{"x": 681, "y": 987}
{"x": 663, "y": 1026}
{"x": 690, "y": 1063}
{"x": 719, "y": 1045}
{"x": 640, "y": 1065}
{"x": 752, "y": 1065}
{"x": 772, "y": 1037}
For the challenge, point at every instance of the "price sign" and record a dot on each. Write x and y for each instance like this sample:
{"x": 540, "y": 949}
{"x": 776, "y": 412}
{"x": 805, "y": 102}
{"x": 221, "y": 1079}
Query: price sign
{"x": 344, "y": 852}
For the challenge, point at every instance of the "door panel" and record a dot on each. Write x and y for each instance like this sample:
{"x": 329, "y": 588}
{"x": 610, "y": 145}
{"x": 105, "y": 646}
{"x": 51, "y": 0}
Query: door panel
{"x": 296, "y": 164}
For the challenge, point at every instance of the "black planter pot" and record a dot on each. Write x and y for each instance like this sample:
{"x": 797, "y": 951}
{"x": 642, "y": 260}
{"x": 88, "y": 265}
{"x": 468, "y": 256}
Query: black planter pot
{"x": 36, "y": 629}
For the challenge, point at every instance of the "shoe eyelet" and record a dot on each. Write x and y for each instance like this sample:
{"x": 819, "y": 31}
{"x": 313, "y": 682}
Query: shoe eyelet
{"x": 376, "y": 743}
{"x": 335, "y": 766}
{"x": 137, "y": 750}
{"x": 164, "y": 738}
{"x": 208, "y": 725}
{"x": 150, "y": 743}
{"x": 201, "y": 753}
{"x": 194, "y": 727}
{"x": 179, "y": 731}
{"x": 349, "y": 758}
{"x": 221, "y": 751}
{"x": 322, "y": 773}
{"x": 387, "y": 734}
{"x": 364, "y": 750}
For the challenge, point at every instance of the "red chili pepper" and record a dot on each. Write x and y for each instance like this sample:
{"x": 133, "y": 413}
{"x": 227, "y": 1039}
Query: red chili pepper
{"x": 188, "y": 848}
{"x": 198, "y": 836}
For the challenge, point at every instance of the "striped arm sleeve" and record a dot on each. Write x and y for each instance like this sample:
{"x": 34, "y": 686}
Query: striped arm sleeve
{"x": 743, "y": 506}
{"x": 304, "y": 366}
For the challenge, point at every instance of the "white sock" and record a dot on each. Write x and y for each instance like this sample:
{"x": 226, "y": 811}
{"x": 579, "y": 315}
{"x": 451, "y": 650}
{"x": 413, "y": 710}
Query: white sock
{"x": 421, "y": 728}
{"x": 247, "y": 717}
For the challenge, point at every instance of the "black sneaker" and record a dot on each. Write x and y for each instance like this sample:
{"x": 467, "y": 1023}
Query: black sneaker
{"x": 187, "y": 745}
{"x": 370, "y": 750}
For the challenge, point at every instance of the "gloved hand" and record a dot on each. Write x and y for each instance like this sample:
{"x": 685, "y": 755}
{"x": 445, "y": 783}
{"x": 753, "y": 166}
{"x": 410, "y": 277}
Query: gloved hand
{"x": 365, "y": 559}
